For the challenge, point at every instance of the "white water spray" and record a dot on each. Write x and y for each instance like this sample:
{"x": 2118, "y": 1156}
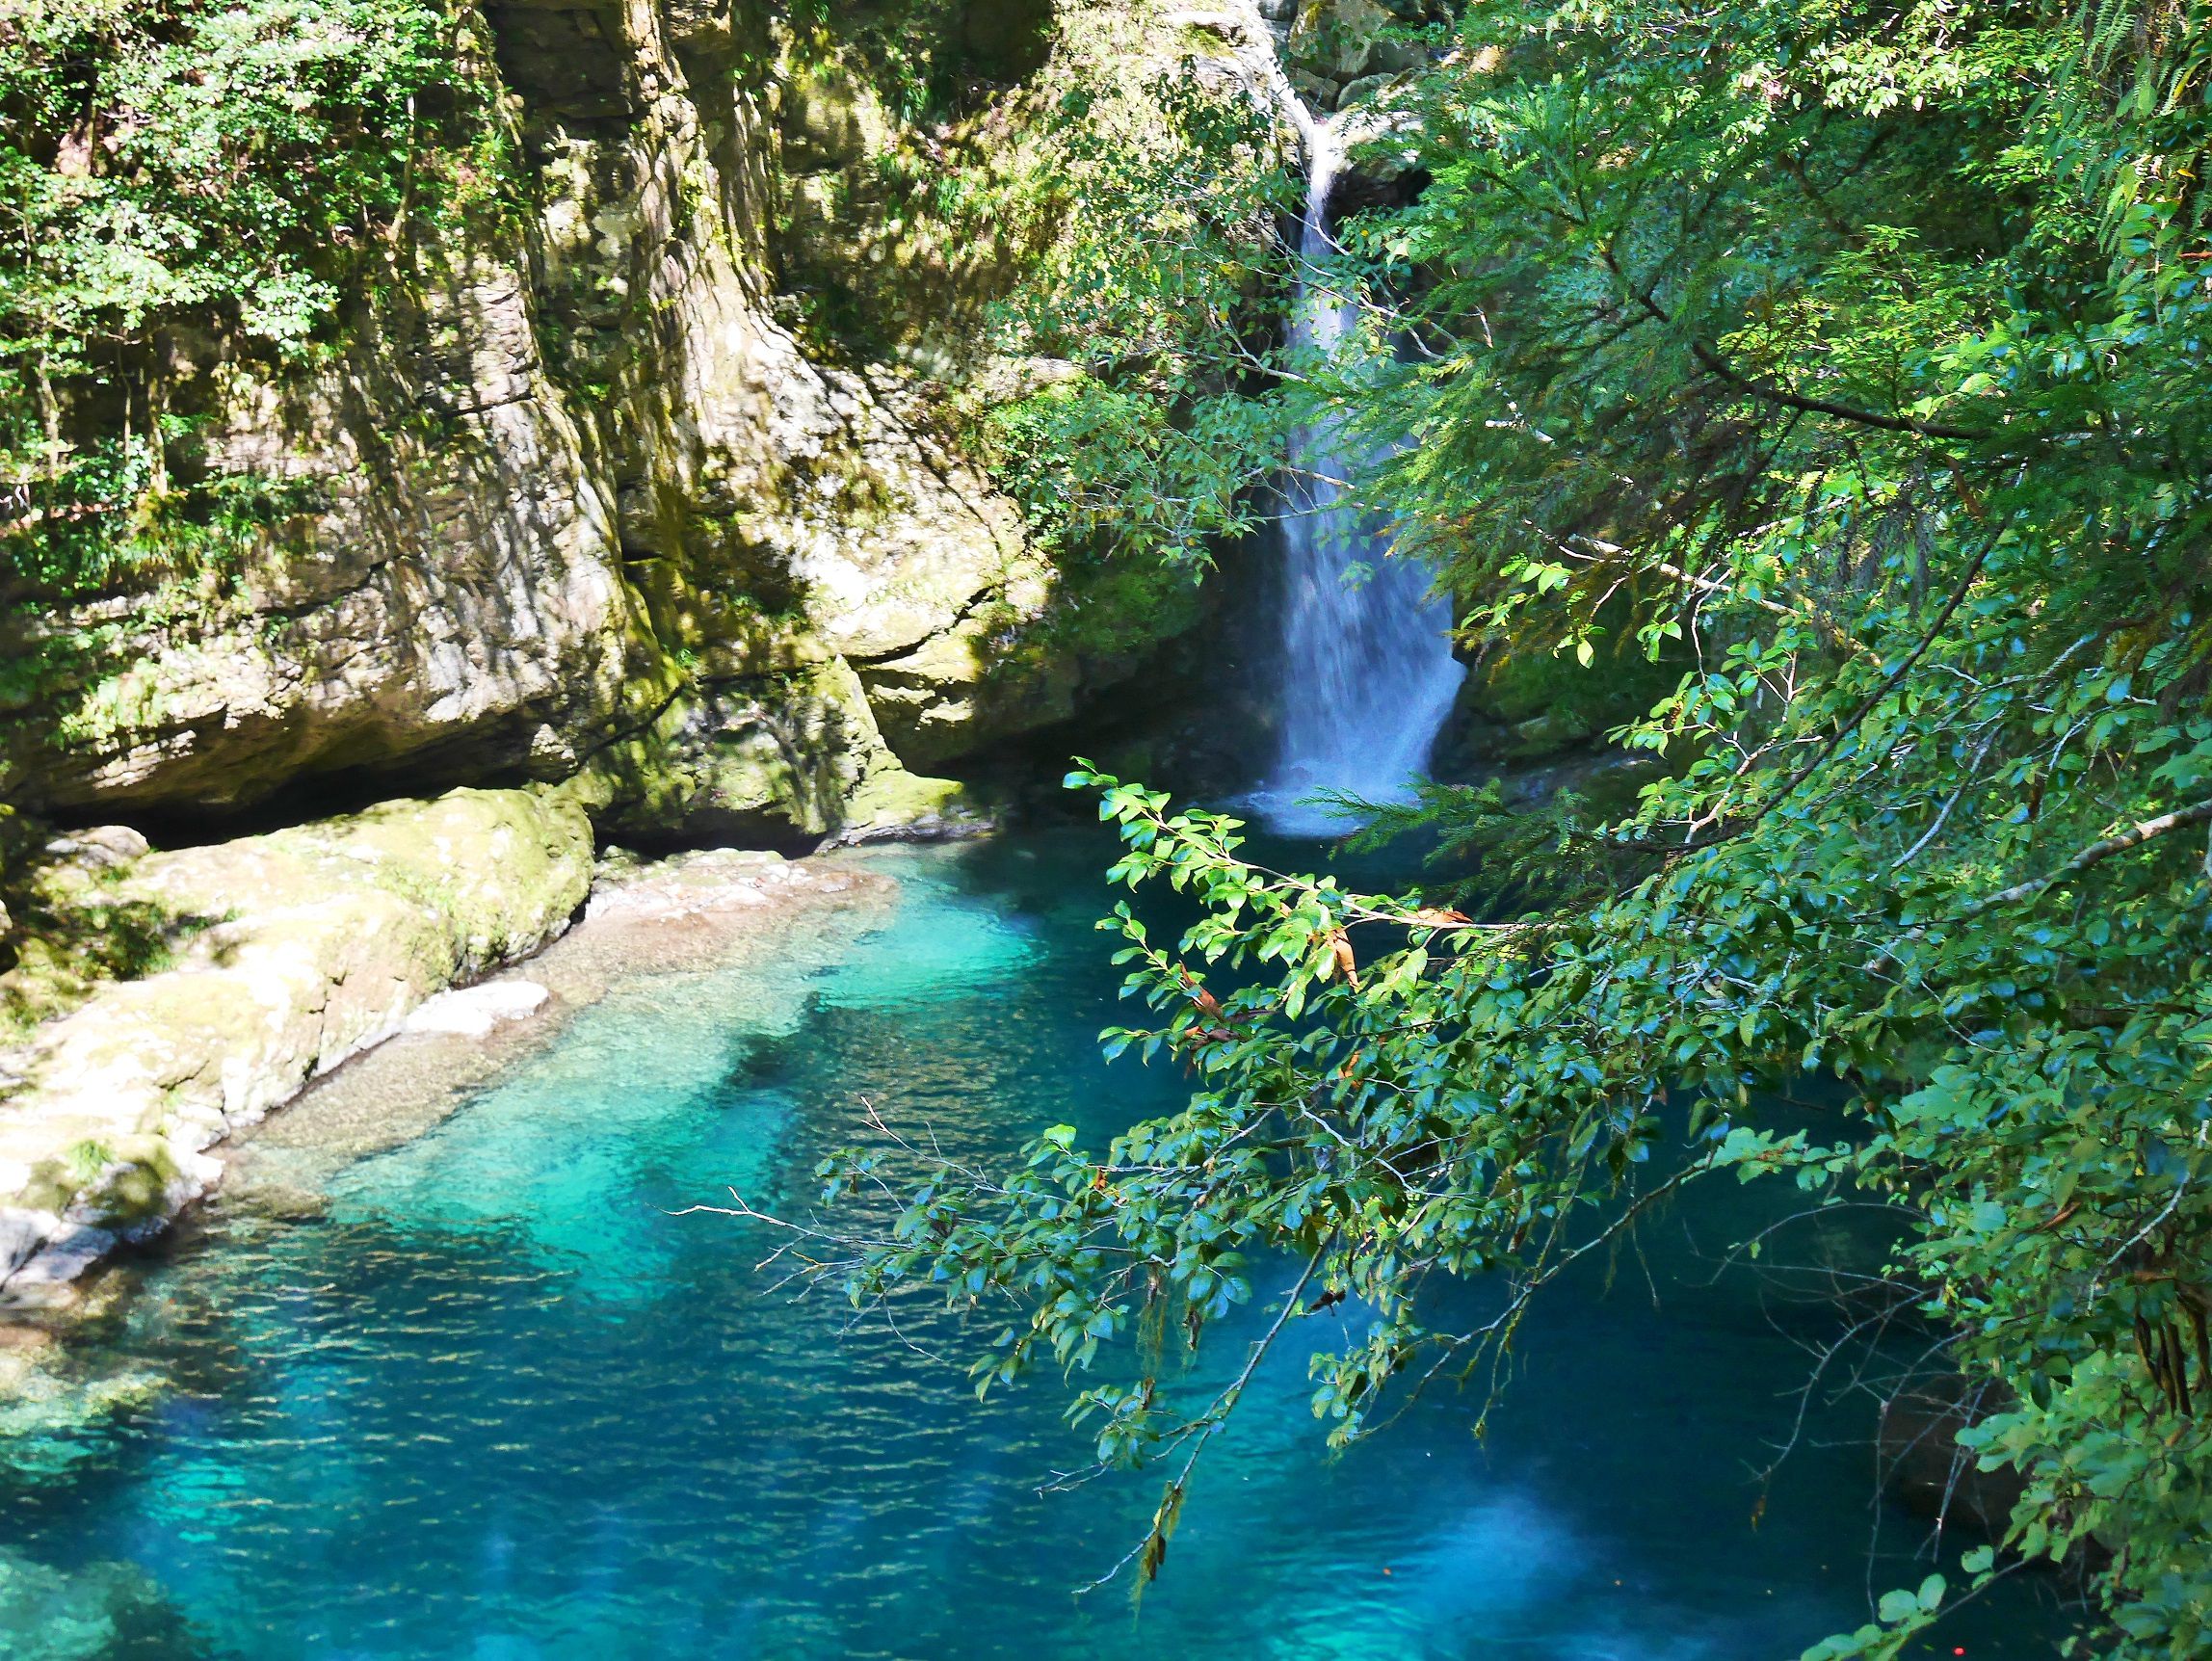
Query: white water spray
{"x": 1367, "y": 671}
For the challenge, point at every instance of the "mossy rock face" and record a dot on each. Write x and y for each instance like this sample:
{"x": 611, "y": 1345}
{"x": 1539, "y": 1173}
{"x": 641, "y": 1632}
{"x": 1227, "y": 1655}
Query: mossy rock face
{"x": 326, "y": 936}
{"x": 896, "y": 805}
{"x": 574, "y": 443}
{"x": 1339, "y": 39}
{"x": 1007, "y": 39}
{"x": 832, "y": 118}
{"x": 790, "y": 758}
{"x": 1527, "y": 702}
{"x": 580, "y": 456}
{"x": 1034, "y": 661}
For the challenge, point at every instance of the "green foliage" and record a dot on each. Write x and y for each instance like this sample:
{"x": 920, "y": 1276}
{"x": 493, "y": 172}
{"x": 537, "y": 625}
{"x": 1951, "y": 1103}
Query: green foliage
{"x": 1090, "y": 254}
{"x": 1491, "y": 856}
{"x": 185, "y": 173}
{"x": 1159, "y": 292}
{"x": 1543, "y": 697}
{"x": 907, "y": 202}
{"x": 1858, "y": 358}
{"x": 931, "y": 57}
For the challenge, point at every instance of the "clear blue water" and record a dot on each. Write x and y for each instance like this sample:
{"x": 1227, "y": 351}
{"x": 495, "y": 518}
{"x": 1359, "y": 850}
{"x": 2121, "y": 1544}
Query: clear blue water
{"x": 495, "y": 1402}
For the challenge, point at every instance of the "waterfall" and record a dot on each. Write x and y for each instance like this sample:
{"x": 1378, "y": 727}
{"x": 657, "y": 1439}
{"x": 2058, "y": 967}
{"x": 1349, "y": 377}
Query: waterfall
{"x": 1367, "y": 675}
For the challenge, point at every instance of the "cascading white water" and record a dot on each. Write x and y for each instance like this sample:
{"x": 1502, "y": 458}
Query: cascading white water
{"x": 1367, "y": 675}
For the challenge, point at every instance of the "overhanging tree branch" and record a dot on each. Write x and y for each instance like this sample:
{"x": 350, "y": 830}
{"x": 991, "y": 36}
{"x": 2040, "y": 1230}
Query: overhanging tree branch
{"x": 1835, "y": 740}
{"x": 1711, "y": 360}
{"x": 1767, "y": 391}
{"x": 2097, "y": 852}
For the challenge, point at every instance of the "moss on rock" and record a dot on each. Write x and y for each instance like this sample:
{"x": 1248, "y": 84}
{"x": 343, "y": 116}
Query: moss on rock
{"x": 329, "y": 934}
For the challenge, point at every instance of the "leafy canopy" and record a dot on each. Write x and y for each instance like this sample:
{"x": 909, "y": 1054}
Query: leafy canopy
{"x": 182, "y": 178}
{"x": 1857, "y": 356}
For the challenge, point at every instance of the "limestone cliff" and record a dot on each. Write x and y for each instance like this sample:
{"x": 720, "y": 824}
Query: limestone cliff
{"x": 573, "y": 496}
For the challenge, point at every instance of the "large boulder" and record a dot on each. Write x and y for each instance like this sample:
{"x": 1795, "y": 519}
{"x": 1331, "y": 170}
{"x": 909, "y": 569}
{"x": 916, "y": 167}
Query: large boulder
{"x": 1337, "y": 39}
{"x": 1336, "y": 44}
{"x": 285, "y": 955}
{"x": 742, "y": 761}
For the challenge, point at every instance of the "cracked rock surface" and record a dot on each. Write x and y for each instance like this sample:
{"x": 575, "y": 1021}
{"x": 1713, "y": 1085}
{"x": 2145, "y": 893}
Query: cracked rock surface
{"x": 572, "y": 495}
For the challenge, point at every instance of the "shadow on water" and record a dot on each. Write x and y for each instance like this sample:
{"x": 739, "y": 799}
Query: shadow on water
{"x": 492, "y": 1400}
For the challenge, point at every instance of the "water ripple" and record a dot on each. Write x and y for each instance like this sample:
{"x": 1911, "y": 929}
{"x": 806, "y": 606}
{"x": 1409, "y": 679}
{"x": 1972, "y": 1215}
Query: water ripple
{"x": 479, "y": 1395}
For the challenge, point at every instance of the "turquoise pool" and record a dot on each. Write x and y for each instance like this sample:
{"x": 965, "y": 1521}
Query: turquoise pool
{"x": 491, "y": 1399}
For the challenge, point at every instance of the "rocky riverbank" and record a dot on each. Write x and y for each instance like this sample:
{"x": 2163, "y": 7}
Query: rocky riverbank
{"x": 272, "y": 961}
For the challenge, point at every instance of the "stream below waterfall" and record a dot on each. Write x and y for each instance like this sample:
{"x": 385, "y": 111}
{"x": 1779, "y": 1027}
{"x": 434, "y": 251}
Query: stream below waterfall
{"x": 488, "y": 1397}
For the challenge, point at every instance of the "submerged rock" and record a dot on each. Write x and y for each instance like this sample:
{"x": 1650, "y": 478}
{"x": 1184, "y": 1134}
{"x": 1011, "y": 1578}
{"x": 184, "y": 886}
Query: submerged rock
{"x": 472, "y": 1012}
{"x": 47, "y": 1402}
{"x": 87, "y": 1614}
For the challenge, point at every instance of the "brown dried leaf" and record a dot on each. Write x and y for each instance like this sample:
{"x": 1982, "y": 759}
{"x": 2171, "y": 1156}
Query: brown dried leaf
{"x": 1340, "y": 953}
